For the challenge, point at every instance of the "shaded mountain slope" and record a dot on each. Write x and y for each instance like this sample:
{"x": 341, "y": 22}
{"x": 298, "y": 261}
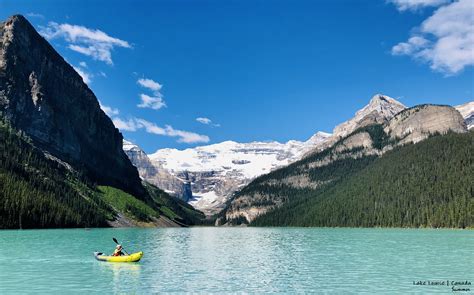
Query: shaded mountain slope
{"x": 42, "y": 95}
{"x": 37, "y": 192}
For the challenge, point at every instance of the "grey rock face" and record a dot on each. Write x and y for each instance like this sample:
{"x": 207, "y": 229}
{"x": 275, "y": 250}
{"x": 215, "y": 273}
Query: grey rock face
{"x": 41, "y": 94}
{"x": 139, "y": 159}
{"x": 467, "y": 112}
{"x": 179, "y": 187}
{"x": 417, "y": 123}
{"x": 380, "y": 109}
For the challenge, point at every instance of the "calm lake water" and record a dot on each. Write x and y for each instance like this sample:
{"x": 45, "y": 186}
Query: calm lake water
{"x": 229, "y": 260}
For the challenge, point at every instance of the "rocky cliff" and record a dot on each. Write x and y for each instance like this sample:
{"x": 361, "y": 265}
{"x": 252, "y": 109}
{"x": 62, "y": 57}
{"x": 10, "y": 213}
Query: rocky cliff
{"x": 156, "y": 174}
{"x": 42, "y": 95}
{"x": 417, "y": 123}
{"x": 467, "y": 112}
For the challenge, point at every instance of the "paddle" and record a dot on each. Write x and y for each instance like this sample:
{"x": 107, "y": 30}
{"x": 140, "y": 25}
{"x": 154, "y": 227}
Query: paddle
{"x": 116, "y": 242}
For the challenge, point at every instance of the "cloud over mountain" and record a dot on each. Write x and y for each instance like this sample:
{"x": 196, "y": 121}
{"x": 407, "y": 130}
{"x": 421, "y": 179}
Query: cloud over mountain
{"x": 91, "y": 42}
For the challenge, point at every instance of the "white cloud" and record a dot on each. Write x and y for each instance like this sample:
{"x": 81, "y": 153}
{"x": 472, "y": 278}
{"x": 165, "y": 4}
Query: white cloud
{"x": 90, "y": 42}
{"x": 186, "y": 136}
{"x": 33, "y": 14}
{"x": 151, "y": 127}
{"x": 109, "y": 110}
{"x": 206, "y": 121}
{"x": 83, "y": 64}
{"x": 156, "y": 101}
{"x": 129, "y": 125}
{"x": 86, "y": 77}
{"x": 412, "y": 45}
{"x": 445, "y": 40}
{"x": 137, "y": 123}
{"x": 403, "y": 5}
{"x": 150, "y": 84}
{"x": 153, "y": 102}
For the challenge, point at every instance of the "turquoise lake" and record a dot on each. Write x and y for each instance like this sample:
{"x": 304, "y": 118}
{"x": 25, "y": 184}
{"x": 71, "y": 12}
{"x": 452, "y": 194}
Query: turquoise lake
{"x": 233, "y": 260}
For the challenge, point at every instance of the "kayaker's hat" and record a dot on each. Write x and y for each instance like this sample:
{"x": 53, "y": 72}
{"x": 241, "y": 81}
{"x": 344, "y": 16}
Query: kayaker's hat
{"x": 119, "y": 247}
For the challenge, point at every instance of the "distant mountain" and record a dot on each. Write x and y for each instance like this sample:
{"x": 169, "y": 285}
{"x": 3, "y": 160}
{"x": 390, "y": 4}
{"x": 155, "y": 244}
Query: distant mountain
{"x": 61, "y": 158}
{"x": 355, "y": 146}
{"x": 207, "y": 176}
{"x": 467, "y": 111}
{"x": 156, "y": 174}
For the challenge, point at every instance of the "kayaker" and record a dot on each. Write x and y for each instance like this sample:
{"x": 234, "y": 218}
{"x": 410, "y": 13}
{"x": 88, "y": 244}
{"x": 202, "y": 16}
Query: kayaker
{"x": 118, "y": 251}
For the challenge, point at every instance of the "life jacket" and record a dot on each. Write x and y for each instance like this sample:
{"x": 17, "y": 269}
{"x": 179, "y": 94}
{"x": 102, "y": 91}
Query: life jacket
{"x": 117, "y": 252}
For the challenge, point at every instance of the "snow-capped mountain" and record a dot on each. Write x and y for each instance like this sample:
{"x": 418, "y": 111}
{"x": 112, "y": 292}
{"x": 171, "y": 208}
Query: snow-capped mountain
{"x": 207, "y": 176}
{"x": 215, "y": 171}
{"x": 249, "y": 159}
{"x": 467, "y": 111}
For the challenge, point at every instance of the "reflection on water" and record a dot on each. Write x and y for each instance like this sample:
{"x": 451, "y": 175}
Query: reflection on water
{"x": 121, "y": 273}
{"x": 229, "y": 260}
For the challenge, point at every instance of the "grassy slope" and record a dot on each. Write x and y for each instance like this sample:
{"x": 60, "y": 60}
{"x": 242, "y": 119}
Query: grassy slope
{"x": 160, "y": 204}
{"x": 127, "y": 204}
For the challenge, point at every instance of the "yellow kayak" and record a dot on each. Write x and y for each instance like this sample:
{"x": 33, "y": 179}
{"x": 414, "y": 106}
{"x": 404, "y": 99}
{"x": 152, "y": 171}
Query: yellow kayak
{"x": 134, "y": 257}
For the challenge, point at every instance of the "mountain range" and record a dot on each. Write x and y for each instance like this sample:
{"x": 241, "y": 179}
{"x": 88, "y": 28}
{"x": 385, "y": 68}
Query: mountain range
{"x": 208, "y": 176}
{"x": 64, "y": 164}
{"x": 376, "y": 166}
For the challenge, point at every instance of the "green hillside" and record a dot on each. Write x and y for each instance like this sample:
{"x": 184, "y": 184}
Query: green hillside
{"x": 429, "y": 184}
{"x": 36, "y": 192}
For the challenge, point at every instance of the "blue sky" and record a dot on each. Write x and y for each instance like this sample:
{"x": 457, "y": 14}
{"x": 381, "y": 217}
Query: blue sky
{"x": 259, "y": 70}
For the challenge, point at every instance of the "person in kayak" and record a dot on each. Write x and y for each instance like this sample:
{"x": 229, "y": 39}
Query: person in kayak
{"x": 118, "y": 251}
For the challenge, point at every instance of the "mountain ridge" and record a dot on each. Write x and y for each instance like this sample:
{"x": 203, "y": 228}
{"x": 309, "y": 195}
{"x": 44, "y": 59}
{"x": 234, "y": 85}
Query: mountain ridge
{"x": 186, "y": 172}
{"x": 368, "y": 141}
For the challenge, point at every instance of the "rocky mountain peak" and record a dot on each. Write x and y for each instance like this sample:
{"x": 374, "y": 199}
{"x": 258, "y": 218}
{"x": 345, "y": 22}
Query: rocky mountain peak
{"x": 17, "y": 22}
{"x": 42, "y": 95}
{"x": 380, "y": 109}
{"x": 384, "y": 105}
{"x": 381, "y": 99}
{"x": 317, "y": 138}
